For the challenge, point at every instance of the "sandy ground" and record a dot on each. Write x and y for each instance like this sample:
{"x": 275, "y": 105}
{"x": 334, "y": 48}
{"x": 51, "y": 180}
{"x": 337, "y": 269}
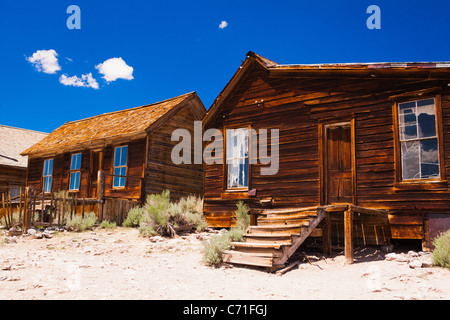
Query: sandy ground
{"x": 119, "y": 264}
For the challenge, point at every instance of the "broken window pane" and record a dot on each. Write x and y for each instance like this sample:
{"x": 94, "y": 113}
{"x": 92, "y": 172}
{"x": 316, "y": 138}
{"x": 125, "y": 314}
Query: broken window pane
{"x": 426, "y": 118}
{"x": 408, "y": 121}
{"x": 410, "y": 160}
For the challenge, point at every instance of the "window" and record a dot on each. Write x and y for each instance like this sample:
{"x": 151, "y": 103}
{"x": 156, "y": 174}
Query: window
{"x": 120, "y": 166}
{"x": 75, "y": 166}
{"x": 237, "y": 158}
{"x": 47, "y": 175}
{"x": 418, "y": 140}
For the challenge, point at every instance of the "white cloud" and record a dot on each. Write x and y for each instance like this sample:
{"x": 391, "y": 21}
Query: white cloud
{"x": 223, "y": 25}
{"x": 86, "y": 80}
{"x": 115, "y": 68}
{"x": 45, "y": 61}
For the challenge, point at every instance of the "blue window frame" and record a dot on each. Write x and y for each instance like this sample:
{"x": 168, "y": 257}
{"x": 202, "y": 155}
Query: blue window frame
{"x": 47, "y": 175}
{"x": 120, "y": 166}
{"x": 75, "y": 173}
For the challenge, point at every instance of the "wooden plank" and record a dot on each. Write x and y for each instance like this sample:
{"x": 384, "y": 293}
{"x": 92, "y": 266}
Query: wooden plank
{"x": 348, "y": 231}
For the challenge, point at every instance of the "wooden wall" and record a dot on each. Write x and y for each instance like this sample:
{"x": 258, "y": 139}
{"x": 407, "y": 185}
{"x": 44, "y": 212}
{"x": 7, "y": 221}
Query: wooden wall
{"x": 11, "y": 177}
{"x": 161, "y": 172}
{"x": 61, "y": 171}
{"x": 298, "y": 107}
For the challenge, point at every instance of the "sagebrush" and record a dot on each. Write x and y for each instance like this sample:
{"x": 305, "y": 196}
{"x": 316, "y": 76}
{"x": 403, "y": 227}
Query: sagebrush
{"x": 79, "y": 224}
{"x": 214, "y": 248}
{"x": 441, "y": 252}
{"x": 160, "y": 216}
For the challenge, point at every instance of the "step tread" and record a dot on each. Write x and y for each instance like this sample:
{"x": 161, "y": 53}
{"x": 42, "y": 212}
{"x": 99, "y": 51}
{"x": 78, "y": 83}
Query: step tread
{"x": 251, "y": 259}
{"x": 301, "y": 215}
{"x": 257, "y": 245}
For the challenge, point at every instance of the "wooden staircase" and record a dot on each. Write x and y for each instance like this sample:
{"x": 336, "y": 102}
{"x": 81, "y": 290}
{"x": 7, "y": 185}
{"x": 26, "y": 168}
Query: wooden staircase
{"x": 277, "y": 236}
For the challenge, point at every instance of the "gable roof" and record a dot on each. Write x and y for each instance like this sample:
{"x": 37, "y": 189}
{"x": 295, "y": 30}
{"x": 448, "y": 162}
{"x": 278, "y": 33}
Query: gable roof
{"x": 125, "y": 124}
{"x": 15, "y": 140}
{"x": 388, "y": 70}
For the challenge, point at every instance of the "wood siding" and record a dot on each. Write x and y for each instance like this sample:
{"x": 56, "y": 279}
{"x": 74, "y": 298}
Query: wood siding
{"x": 301, "y": 108}
{"x": 161, "y": 172}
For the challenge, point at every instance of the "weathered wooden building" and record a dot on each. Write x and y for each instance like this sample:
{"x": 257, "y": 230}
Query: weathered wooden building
{"x": 13, "y": 166}
{"x": 353, "y": 138}
{"x": 131, "y": 149}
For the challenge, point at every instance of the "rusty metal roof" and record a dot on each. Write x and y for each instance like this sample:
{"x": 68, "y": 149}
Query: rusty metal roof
{"x": 109, "y": 126}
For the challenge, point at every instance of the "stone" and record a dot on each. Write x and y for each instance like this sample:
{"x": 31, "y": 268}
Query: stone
{"x": 13, "y": 232}
{"x": 415, "y": 264}
{"x": 10, "y": 240}
{"x": 413, "y": 254}
{"x": 31, "y": 232}
{"x": 47, "y": 235}
{"x": 38, "y": 235}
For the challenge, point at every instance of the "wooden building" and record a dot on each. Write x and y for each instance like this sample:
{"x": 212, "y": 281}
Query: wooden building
{"x": 357, "y": 138}
{"x": 13, "y": 166}
{"x": 118, "y": 157}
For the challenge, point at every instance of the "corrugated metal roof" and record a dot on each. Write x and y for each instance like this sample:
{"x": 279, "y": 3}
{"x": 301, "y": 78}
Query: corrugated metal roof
{"x": 113, "y": 125}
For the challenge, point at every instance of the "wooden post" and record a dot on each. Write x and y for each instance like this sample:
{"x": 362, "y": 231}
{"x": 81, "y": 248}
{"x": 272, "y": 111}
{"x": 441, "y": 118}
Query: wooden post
{"x": 4, "y": 210}
{"x": 42, "y": 208}
{"x": 101, "y": 193}
{"x": 348, "y": 232}
{"x": 326, "y": 235}
{"x": 82, "y": 208}
{"x": 20, "y": 205}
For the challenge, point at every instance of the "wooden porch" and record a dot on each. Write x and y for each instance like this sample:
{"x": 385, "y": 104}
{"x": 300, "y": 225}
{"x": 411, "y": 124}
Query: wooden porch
{"x": 280, "y": 232}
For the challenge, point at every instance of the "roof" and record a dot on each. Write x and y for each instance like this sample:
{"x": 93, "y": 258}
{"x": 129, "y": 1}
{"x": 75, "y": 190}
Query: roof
{"x": 388, "y": 70}
{"x": 15, "y": 140}
{"x": 129, "y": 123}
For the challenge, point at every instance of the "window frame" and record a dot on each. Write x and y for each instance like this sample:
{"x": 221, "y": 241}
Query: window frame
{"x": 428, "y": 183}
{"x": 75, "y": 171}
{"x": 120, "y": 166}
{"x": 45, "y": 176}
{"x": 226, "y": 188}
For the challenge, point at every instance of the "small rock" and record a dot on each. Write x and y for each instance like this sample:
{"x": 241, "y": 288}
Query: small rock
{"x": 390, "y": 256}
{"x": 415, "y": 264}
{"x": 413, "y": 254}
{"x": 13, "y": 232}
{"x": 31, "y": 232}
{"x": 10, "y": 240}
{"x": 38, "y": 235}
{"x": 47, "y": 235}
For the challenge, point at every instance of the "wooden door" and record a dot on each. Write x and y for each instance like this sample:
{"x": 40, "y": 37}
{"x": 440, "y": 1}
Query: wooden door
{"x": 95, "y": 167}
{"x": 338, "y": 172}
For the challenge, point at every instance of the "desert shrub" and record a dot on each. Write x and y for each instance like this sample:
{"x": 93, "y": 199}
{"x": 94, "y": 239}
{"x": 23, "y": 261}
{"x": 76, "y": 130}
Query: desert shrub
{"x": 107, "y": 224}
{"x": 134, "y": 217}
{"x": 79, "y": 224}
{"x": 161, "y": 216}
{"x": 214, "y": 248}
{"x": 242, "y": 216}
{"x": 441, "y": 253}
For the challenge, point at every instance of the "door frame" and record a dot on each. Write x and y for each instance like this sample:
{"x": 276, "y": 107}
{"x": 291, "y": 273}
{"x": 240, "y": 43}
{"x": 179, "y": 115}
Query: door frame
{"x": 323, "y": 185}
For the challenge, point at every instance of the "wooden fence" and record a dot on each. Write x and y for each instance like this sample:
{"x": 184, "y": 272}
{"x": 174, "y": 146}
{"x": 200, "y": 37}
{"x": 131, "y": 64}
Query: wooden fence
{"x": 29, "y": 209}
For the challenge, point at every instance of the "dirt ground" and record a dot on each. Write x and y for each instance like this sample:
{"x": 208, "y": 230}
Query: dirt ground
{"x": 119, "y": 264}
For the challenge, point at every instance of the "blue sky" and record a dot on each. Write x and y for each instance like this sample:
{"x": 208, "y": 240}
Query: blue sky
{"x": 175, "y": 47}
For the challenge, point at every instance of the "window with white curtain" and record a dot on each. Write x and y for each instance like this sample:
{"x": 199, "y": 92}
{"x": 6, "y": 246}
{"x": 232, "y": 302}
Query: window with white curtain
{"x": 237, "y": 141}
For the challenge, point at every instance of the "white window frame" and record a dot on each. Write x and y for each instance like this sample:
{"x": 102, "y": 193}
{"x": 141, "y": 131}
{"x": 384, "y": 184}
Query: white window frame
{"x": 47, "y": 176}
{"x": 121, "y": 180}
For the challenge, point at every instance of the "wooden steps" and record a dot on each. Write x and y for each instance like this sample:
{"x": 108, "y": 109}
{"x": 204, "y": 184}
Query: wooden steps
{"x": 277, "y": 236}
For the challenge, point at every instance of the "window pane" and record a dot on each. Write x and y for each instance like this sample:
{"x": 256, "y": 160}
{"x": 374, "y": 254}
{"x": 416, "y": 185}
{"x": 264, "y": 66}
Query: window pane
{"x": 75, "y": 162}
{"x": 72, "y": 181}
{"x": 426, "y": 117}
{"x": 410, "y": 160}
{"x": 429, "y": 158}
{"x": 407, "y": 121}
{"x": 233, "y": 174}
{"x": 123, "y": 157}
{"x": 47, "y": 184}
{"x": 243, "y": 173}
{"x": 50, "y": 167}
{"x": 45, "y": 168}
{"x": 117, "y": 152}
